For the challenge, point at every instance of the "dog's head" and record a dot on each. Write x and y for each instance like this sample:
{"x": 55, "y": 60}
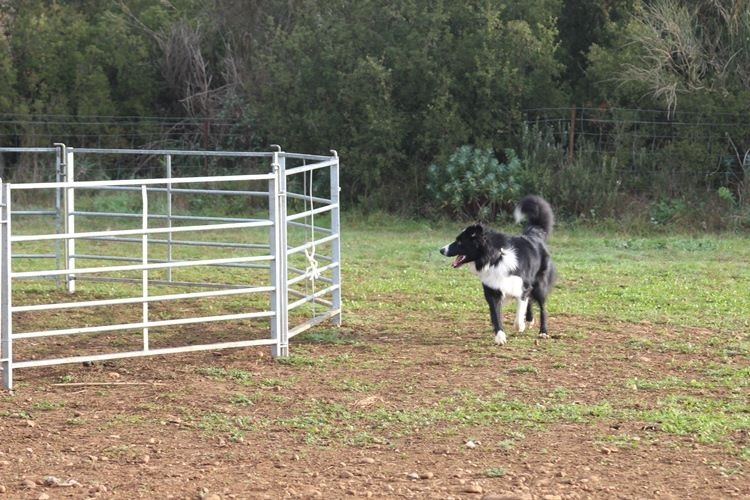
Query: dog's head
{"x": 467, "y": 247}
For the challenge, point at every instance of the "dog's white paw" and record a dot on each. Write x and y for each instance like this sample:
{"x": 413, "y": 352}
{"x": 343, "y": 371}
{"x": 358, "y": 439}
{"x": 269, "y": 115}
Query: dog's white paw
{"x": 520, "y": 326}
{"x": 500, "y": 338}
{"x": 543, "y": 336}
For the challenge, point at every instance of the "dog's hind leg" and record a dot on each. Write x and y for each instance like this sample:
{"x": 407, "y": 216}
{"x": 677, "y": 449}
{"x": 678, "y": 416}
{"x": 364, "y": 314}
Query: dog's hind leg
{"x": 542, "y": 317}
{"x": 495, "y": 300}
{"x": 529, "y": 314}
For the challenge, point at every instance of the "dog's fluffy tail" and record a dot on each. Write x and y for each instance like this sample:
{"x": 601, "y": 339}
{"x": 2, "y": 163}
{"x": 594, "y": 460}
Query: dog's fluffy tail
{"x": 537, "y": 212}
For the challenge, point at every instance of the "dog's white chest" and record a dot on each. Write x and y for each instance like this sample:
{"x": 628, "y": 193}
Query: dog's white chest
{"x": 499, "y": 277}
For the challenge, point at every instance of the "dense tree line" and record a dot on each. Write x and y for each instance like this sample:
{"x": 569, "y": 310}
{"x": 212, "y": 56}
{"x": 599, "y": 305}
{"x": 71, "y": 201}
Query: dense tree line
{"x": 397, "y": 87}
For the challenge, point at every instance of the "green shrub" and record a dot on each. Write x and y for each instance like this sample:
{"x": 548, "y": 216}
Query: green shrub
{"x": 666, "y": 211}
{"x": 473, "y": 183}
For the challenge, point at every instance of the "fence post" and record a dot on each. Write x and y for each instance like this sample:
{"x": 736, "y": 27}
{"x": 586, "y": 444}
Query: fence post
{"x": 169, "y": 215}
{"x": 6, "y": 341}
{"x": 273, "y": 240}
{"x": 60, "y": 156}
{"x": 336, "y": 243}
{"x": 280, "y": 273}
{"x": 144, "y": 261}
{"x": 70, "y": 222}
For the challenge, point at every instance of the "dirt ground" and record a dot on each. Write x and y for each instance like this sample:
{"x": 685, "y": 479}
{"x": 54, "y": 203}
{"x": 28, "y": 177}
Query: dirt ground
{"x": 375, "y": 409}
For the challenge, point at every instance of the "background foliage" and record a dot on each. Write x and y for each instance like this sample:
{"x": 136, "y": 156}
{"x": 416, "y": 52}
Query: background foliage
{"x": 617, "y": 109}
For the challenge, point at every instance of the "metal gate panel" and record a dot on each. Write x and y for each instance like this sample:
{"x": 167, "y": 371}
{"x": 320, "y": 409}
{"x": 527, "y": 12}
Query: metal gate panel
{"x": 301, "y": 295}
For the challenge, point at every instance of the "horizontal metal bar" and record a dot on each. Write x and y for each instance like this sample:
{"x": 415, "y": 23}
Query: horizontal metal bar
{"x": 136, "y": 259}
{"x": 126, "y": 232}
{"x": 140, "y": 182}
{"x": 306, "y": 275}
{"x": 140, "y": 300}
{"x": 188, "y": 191}
{"x": 143, "y": 324}
{"x": 258, "y": 246}
{"x": 113, "y": 258}
{"x": 163, "y": 217}
{"x": 303, "y": 272}
{"x": 140, "y": 267}
{"x": 166, "y": 282}
{"x": 307, "y": 198}
{"x": 310, "y": 166}
{"x": 26, "y": 150}
{"x": 118, "y": 258}
{"x": 150, "y": 352}
{"x": 317, "y": 300}
{"x": 32, "y": 212}
{"x": 320, "y": 210}
{"x": 311, "y": 244}
{"x": 174, "y": 152}
{"x": 310, "y": 298}
{"x": 313, "y": 322}
{"x": 302, "y": 156}
{"x": 320, "y": 229}
{"x": 33, "y": 255}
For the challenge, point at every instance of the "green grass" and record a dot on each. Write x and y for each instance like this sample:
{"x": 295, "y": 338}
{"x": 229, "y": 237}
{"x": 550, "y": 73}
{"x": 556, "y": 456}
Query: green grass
{"x": 693, "y": 280}
{"x": 680, "y": 301}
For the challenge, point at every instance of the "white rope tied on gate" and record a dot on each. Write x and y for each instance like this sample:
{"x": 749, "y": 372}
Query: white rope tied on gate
{"x": 312, "y": 269}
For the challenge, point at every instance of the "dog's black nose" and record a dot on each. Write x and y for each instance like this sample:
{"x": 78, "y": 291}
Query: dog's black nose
{"x": 443, "y": 250}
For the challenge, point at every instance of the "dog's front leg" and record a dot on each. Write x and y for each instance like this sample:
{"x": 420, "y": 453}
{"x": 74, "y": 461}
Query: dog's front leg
{"x": 495, "y": 300}
{"x": 523, "y": 310}
{"x": 523, "y": 307}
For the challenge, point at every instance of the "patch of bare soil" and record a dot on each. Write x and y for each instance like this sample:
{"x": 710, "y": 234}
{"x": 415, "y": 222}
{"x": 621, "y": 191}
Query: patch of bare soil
{"x": 372, "y": 410}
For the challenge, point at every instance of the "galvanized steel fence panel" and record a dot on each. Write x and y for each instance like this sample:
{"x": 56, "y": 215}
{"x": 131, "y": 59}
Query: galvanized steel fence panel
{"x": 302, "y": 285}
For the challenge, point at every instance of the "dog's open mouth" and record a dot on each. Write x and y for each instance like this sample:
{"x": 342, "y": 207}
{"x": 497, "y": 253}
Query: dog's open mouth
{"x": 460, "y": 259}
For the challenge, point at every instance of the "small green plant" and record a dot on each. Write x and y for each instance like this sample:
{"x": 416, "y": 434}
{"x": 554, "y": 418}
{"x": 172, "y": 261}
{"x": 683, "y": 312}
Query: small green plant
{"x": 234, "y": 426}
{"x": 525, "y": 369}
{"x": 666, "y": 211}
{"x": 355, "y": 385}
{"x": 239, "y": 376}
{"x": 725, "y": 194}
{"x": 240, "y": 400}
{"x": 622, "y": 441}
{"x": 46, "y": 405}
{"x": 474, "y": 184}
{"x": 506, "y": 444}
{"x": 277, "y": 382}
{"x": 297, "y": 360}
{"x": 495, "y": 472}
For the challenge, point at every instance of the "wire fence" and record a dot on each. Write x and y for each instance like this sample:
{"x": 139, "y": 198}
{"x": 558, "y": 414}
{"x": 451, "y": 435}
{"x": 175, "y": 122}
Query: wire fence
{"x": 606, "y": 127}
{"x": 645, "y": 154}
{"x": 120, "y": 132}
{"x": 648, "y": 153}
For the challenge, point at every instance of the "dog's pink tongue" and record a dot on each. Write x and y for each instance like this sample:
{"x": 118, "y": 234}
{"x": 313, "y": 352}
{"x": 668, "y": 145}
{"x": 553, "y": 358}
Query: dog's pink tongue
{"x": 458, "y": 260}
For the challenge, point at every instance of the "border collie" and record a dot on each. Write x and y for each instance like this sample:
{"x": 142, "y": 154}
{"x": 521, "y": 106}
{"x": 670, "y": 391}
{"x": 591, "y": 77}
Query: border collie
{"x": 518, "y": 267}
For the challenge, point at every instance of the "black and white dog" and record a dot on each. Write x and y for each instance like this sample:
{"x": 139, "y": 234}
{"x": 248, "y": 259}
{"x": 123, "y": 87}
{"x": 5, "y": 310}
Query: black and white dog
{"x": 518, "y": 267}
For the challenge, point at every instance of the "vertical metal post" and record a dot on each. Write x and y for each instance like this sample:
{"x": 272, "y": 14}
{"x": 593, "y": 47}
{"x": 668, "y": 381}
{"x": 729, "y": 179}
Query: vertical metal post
{"x": 281, "y": 348}
{"x": 336, "y": 243}
{"x": 6, "y": 324}
{"x": 273, "y": 241}
{"x": 144, "y": 261}
{"x": 70, "y": 221}
{"x": 60, "y": 156}
{"x": 169, "y": 215}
